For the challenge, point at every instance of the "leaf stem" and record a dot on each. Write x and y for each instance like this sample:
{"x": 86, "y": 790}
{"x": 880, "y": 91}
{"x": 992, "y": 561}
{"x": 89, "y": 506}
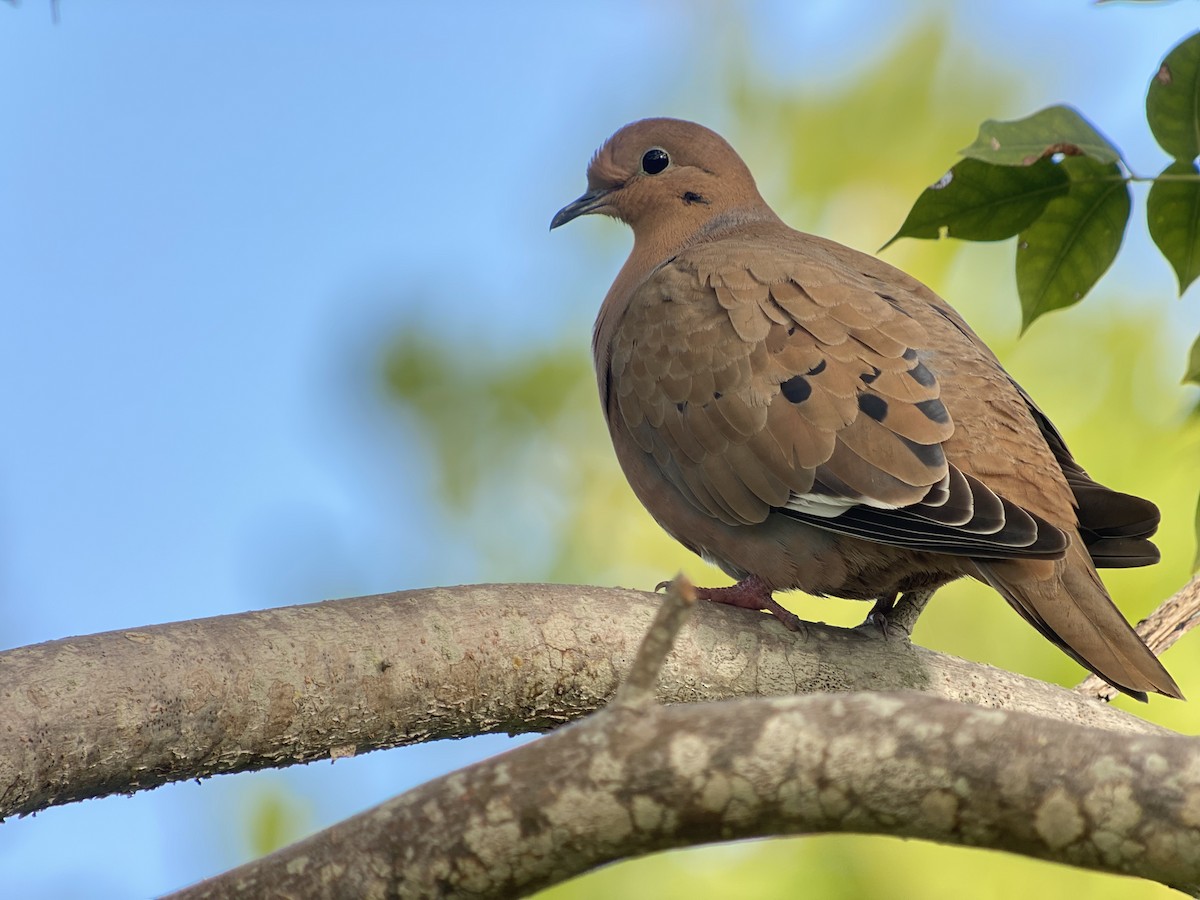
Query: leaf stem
{"x": 1154, "y": 178}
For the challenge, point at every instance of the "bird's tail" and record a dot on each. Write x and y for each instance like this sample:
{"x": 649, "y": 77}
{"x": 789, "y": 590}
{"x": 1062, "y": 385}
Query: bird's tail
{"x": 1066, "y": 601}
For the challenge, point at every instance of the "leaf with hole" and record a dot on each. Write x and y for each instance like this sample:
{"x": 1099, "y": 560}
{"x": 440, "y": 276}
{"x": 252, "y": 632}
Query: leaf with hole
{"x": 1173, "y": 101}
{"x": 978, "y": 201}
{"x": 1064, "y": 253}
{"x": 1056, "y": 129}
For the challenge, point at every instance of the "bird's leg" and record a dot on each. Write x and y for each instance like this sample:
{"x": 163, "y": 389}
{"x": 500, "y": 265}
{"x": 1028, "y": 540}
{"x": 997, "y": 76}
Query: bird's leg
{"x": 898, "y": 616}
{"x": 752, "y": 593}
{"x": 878, "y": 616}
{"x": 909, "y": 608}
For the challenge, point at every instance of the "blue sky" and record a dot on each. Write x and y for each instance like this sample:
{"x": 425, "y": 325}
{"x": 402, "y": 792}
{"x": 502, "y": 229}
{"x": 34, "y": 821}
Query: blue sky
{"x": 206, "y": 212}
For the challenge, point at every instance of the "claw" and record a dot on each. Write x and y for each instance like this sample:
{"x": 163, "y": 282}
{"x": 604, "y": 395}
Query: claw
{"x": 896, "y": 617}
{"x": 877, "y": 618}
{"x": 752, "y": 593}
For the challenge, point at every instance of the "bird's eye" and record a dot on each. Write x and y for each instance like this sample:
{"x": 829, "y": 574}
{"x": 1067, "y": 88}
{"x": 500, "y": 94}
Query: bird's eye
{"x": 655, "y": 160}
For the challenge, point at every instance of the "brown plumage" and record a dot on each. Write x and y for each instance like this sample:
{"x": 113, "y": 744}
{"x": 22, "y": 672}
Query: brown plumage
{"x": 808, "y": 417}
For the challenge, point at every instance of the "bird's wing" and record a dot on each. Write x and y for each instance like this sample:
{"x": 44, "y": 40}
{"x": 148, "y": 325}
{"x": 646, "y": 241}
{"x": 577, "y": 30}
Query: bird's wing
{"x": 1004, "y": 438}
{"x": 1116, "y": 527}
{"x": 762, "y": 378}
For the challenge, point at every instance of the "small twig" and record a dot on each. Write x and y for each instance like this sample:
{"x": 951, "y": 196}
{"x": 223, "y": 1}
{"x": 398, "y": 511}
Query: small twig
{"x": 1175, "y": 617}
{"x": 642, "y": 681}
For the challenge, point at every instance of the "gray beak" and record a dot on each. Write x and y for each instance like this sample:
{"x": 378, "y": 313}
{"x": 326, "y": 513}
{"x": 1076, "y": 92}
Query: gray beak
{"x": 590, "y": 202}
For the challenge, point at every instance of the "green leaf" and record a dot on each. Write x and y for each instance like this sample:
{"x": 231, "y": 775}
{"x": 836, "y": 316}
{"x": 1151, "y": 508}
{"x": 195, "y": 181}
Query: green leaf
{"x": 1173, "y": 214}
{"x": 978, "y": 201}
{"x": 1193, "y": 370}
{"x": 1064, "y": 253}
{"x": 1055, "y": 129}
{"x": 1173, "y": 101}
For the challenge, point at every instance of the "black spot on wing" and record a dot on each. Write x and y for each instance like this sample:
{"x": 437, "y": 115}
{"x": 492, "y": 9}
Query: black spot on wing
{"x": 934, "y": 410}
{"x": 868, "y": 377}
{"x": 817, "y": 369}
{"x": 873, "y": 405}
{"x": 796, "y": 389}
{"x": 929, "y": 454}
{"x": 922, "y": 375}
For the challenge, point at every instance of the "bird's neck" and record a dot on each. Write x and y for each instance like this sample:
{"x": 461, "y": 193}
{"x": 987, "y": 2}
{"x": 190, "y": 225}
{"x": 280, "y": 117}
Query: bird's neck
{"x": 652, "y": 248}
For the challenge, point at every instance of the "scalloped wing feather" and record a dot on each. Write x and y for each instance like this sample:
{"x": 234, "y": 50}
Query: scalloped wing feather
{"x": 761, "y": 386}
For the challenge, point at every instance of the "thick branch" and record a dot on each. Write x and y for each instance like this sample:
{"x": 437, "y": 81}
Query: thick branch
{"x": 629, "y": 782}
{"x": 127, "y": 710}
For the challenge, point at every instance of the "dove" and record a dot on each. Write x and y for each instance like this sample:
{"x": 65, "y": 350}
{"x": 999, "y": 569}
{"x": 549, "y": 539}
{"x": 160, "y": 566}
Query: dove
{"x": 808, "y": 417}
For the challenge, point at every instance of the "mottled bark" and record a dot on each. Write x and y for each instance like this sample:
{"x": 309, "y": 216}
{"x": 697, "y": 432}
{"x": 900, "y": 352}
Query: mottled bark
{"x": 630, "y": 782}
{"x": 638, "y": 777}
{"x": 128, "y": 710}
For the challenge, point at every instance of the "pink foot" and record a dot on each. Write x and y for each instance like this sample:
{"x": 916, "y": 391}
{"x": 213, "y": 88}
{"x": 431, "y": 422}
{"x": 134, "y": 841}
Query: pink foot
{"x": 750, "y": 593}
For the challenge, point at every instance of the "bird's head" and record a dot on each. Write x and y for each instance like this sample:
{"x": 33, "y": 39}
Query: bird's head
{"x": 669, "y": 173}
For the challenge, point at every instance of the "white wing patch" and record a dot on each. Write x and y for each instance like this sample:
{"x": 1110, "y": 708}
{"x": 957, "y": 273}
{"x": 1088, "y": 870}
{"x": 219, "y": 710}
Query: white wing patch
{"x": 830, "y": 507}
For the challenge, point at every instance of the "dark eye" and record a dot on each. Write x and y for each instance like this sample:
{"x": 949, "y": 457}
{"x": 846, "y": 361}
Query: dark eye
{"x": 655, "y": 160}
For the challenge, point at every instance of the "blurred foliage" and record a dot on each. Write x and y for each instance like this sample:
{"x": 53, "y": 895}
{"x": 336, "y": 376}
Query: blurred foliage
{"x": 274, "y": 817}
{"x": 524, "y": 458}
{"x": 478, "y": 410}
{"x": 845, "y": 867}
{"x": 846, "y": 162}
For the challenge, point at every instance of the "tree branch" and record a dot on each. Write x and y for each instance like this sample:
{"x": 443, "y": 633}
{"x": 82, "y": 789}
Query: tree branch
{"x": 1175, "y": 617}
{"x": 129, "y": 710}
{"x": 641, "y": 684}
{"x": 626, "y": 782}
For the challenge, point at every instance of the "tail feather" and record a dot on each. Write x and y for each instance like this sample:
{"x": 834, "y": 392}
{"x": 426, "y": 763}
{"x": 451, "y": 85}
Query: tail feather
{"x": 1066, "y": 601}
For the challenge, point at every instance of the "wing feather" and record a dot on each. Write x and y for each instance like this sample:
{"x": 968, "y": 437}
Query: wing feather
{"x": 773, "y": 386}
